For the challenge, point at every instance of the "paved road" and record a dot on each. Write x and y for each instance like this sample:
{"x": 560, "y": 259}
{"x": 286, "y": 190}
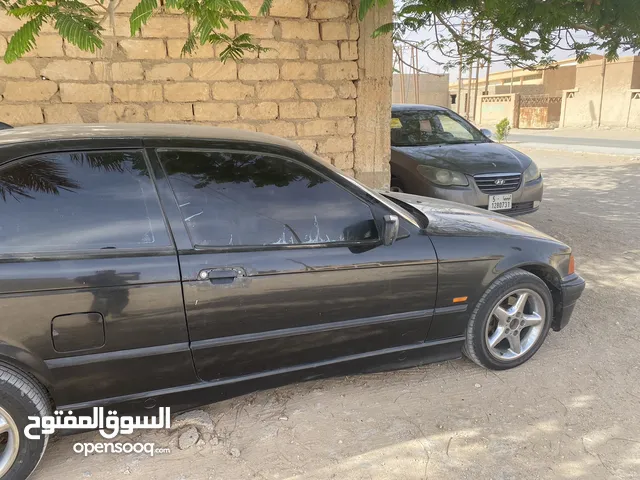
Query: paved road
{"x": 581, "y": 141}
{"x": 570, "y": 413}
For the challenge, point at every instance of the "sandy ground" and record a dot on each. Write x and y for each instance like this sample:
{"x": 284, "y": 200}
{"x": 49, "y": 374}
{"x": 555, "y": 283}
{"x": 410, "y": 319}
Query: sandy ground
{"x": 572, "y": 412}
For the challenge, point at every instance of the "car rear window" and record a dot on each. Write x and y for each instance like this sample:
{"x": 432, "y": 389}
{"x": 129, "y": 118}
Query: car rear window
{"x": 79, "y": 201}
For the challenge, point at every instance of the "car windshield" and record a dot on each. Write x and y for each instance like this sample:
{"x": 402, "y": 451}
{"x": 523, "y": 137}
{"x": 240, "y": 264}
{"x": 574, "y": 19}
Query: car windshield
{"x": 411, "y": 128}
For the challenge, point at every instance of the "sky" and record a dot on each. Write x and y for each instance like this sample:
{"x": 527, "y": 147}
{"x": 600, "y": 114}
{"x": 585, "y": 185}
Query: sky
{"x": 428, "y": 65}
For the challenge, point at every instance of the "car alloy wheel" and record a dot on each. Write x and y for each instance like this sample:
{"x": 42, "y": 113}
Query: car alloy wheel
{"x": 9, "y": 441}
{"x": 516, "y": 324}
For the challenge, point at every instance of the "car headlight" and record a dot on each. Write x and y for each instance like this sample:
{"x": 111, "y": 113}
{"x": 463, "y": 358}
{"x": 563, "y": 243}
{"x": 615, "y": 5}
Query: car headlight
{"x": 442, "y": 176}
{"x": 532, "y": 173}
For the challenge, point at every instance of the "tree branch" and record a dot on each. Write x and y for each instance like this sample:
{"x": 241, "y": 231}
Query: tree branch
{"x": 419, "y": 70}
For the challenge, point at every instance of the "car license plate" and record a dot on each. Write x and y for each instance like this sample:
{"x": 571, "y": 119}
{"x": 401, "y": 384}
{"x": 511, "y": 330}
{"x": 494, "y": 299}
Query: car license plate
{"x": 500, "y": 202}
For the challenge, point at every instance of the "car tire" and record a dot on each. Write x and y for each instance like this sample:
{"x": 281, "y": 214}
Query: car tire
{"x": 21, "y": 396}
{"x": 496, "y": 329}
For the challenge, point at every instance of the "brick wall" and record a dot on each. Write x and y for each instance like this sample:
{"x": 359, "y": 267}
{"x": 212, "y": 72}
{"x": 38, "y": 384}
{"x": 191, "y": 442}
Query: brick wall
{"x": 305, "y": 87}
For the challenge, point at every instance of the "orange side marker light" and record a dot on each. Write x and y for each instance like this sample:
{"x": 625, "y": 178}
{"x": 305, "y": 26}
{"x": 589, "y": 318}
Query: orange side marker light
{"x": 460, "y": 299}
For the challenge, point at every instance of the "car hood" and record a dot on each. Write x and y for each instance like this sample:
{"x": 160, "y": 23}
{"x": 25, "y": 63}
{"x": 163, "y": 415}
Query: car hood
{"x": 469, "y": 158}
{"x": 450, "y": 218}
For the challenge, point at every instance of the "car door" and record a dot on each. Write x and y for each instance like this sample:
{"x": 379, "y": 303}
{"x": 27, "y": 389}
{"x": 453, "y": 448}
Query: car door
{"x": 89, "y": 276}
{"x": 284, "y": 266}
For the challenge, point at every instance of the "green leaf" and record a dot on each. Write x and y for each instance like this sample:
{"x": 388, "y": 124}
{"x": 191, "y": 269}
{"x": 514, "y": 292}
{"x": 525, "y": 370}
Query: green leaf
{"x": 141, "y": 14}
{"x": 75, "y": 6}
{"x": 239, "y": 18}
{"x": 383, "y": 29}
{"x": 30, "y": 11}
{"x": 24, "y": 40}
{"x": 365, "y": 6}
{"x": 231, "y": 52}
{"x": 217, "y": 38}
{"x": 237, "y": 47}
{"x": 243, "y": 38}
{"x": 237, "y": 6}
{"x": 189, "y": 46}
{"x": 78, "y": 30}
{"x": 265, "y": 7}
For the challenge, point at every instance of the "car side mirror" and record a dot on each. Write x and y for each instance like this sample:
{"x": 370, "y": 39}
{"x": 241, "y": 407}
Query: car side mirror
{"x": 391, "y": 227}
{"x": 486, "y": 132}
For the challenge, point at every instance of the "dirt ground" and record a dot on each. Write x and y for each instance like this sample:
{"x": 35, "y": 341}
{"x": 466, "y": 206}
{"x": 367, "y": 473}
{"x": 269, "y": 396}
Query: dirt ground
{"x": 572, "y": 412}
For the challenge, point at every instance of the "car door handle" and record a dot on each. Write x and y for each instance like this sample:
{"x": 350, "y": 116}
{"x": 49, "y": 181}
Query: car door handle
{"x": 221, "y": 276}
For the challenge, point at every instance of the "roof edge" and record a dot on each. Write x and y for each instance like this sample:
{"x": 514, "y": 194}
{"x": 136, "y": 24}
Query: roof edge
{"x": 137, "y": 130}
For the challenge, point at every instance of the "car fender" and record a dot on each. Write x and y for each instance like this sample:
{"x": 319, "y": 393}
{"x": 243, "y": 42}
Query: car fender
{"x": 21, "y": 358}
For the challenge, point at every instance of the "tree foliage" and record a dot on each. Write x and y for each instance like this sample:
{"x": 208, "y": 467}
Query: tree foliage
{"x": 522, "y": 33}
{"x": 81, "y": 23}
{"x": 74, "y": 21}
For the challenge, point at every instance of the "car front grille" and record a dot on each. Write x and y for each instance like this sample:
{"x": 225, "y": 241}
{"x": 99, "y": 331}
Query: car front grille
{"x": 497, "y": 183}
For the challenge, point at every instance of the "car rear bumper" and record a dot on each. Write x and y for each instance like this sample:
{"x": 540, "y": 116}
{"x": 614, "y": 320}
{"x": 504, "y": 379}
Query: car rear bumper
{"x": 572, "y": 288}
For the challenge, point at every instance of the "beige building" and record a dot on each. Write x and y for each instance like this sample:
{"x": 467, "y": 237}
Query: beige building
{"x": 421, "y": 88}
{"x": 605, "y": 94}
{"x": 324, "y": 82}
{"x": 595, "y": 93}
{"x": 591, "y": 94}
{"x": 550, "y": 82}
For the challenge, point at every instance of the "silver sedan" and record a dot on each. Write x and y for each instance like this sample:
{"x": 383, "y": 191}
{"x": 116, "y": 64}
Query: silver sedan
{"x": 436, "y": 153}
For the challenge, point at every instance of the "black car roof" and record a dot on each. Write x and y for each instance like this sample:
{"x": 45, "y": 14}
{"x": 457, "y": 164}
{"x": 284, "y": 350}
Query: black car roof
{"x": 398, "y": 107}
{"x": 135, "y": 130}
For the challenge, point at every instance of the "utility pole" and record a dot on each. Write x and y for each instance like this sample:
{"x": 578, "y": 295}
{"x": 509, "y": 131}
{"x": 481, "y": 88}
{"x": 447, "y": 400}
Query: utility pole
{"x": 459, "y": 97}
{"x": 468, "y": 102}
{"x": 416, "y": 79}
{"x": 475, "y": 95}
{"x": 511, "y": 85}
{"x": 486, "y": 82}
{"x": 604, "y": 72}
{"x": 401, "y": 68}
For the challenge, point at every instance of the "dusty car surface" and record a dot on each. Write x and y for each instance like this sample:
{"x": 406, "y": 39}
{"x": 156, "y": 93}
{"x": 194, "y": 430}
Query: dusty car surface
{"x": 173, "y": 265}
{"x": 437, "y": 153}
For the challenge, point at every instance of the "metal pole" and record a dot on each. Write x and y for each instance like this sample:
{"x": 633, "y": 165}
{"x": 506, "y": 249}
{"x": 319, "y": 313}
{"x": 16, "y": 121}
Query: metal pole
{"x": 416, "y": 81}
{"x": 604, "y": 72}
{"x": 486, "y": 82}
{"x": 468, "y": 102}
{"x": 459, "y": 97}
{"x": 475, "y": 94}
{"x": 511, "y": 86}
{"x": 401, "y": 65}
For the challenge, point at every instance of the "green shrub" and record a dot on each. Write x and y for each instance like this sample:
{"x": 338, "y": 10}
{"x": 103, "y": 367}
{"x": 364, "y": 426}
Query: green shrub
{"x": 502, "y": 130}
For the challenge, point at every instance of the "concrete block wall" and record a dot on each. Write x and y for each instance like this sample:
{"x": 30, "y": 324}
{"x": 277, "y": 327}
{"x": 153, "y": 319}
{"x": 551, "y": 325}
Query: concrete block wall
{"x": 305, "y": 87}
{"x": 433, "y": 89}
{"x": 494, "y": 108}
{"x": 612, "y": 104}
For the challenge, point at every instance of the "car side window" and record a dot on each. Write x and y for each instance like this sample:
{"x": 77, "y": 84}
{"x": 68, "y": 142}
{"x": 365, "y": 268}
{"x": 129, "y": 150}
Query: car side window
{"x": 71, "y": 201}
{"x": 252, "y": 199}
